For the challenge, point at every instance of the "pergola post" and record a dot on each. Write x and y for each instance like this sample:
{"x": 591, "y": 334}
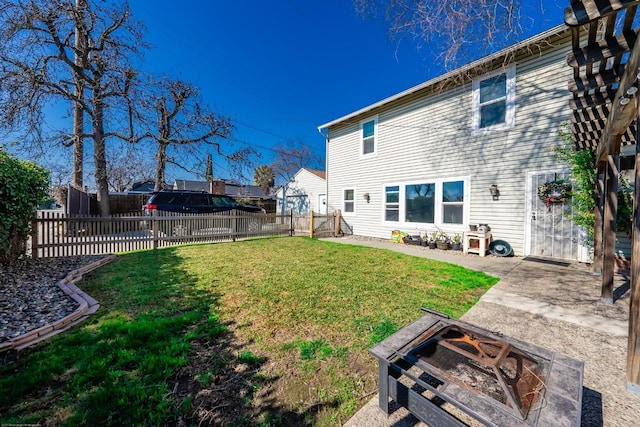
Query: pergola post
{"x": 609, "y": 229}
{"x": 597, "y": 226}
{"x": 633, "y": 350}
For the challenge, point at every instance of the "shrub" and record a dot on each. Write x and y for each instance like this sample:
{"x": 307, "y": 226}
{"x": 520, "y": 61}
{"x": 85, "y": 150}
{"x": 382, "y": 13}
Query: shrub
{"x": 23, "y": 184}
{"x": 582, "y": 165}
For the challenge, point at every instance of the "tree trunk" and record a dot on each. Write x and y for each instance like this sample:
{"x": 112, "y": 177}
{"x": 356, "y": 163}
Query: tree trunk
{"x": 161, "y": 156}
{"x": 99, "y": 154}
{"x": 78, "y": 112}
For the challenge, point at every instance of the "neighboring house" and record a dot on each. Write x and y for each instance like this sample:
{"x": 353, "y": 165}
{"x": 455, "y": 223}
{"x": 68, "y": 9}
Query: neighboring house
{"x": 186, "y": 185}
{"x": 247, "y": 192}
{"x": 426, "y": 158}
{"x": 231, "y": 188}
{"x": 306, "y": 191}
{"x": 142, "y": 187}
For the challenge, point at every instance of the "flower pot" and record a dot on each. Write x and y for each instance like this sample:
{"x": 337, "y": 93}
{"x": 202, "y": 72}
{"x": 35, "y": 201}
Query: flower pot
{"x": 442, "y": 245}
{"x": 432, "y": 245}
{"x": 455, "y": 246}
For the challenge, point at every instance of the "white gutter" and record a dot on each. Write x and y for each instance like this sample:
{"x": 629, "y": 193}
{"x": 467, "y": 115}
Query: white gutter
{"x": 532, "y": 40}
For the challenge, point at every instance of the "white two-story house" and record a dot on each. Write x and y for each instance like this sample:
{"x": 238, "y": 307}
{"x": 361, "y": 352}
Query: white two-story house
{"x": 432, "y": 157}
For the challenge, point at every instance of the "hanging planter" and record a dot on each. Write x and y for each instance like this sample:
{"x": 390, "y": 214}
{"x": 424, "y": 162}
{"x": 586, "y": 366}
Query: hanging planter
{"x": 556, "y": 191}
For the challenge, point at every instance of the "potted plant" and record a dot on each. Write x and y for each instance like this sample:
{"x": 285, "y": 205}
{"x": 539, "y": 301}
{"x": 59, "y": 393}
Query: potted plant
{"x": 432, "y": 239}
{"x": 457, "y": 239}
{"x": 442, "y": 240}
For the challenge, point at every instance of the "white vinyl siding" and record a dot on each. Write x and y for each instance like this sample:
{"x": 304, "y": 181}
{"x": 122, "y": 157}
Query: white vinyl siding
{"x": 428, "y": 136}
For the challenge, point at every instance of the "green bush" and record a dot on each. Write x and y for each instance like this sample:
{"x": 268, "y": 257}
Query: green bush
{"x": 582, "y": 165}
{"x": 23, "y": 185}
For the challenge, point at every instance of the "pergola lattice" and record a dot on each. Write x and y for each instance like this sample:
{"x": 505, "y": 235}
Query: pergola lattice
{"x": 606, "y": 61}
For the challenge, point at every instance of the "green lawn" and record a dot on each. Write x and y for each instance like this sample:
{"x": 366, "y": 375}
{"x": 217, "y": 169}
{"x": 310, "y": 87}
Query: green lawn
{"x": 260, "y": 332}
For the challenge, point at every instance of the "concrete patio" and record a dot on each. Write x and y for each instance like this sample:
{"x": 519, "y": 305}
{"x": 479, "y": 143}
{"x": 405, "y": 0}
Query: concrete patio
{"x": 555, "y": 306}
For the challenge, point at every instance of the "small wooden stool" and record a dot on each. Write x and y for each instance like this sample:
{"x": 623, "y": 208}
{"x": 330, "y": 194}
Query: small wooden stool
{"x": 482, "y": 245}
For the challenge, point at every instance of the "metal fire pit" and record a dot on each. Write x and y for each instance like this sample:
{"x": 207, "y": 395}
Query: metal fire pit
{"x": 449, "y": 373}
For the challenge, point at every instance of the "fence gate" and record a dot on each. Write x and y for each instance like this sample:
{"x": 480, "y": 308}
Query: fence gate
{"x": 550, "y": 232}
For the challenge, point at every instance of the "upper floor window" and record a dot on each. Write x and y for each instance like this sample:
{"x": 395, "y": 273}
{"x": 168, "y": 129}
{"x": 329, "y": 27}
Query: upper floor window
{"x": 494, "y": 100}
{"x": 368, "y": 131}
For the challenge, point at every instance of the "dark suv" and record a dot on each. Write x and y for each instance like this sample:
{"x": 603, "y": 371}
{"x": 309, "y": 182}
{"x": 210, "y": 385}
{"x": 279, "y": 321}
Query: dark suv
{"x": 194, "y": 202}
{"x": 173, "y": 205}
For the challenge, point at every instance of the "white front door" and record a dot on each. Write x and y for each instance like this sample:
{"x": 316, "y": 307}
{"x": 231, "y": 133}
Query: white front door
{"x": 550, "y": 232}
{"x": 322, "y": 204}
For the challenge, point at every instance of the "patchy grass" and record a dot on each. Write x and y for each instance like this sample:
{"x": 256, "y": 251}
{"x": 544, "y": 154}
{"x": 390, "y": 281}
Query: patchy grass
{"x": 259, "y": 332}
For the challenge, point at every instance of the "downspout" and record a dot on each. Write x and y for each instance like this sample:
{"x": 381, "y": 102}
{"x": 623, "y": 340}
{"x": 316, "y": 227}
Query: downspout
{"x": 326, "y": 165}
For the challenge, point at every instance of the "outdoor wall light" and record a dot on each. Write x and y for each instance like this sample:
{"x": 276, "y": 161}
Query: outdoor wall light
{"x": 366, "y": 197}
{"x": 495, "y": 193}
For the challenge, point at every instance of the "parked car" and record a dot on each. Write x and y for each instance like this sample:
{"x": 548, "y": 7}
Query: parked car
{"x": 194, "y": 203}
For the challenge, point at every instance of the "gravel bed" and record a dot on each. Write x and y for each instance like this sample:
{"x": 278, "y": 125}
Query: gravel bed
{"x": 30, "y": 297}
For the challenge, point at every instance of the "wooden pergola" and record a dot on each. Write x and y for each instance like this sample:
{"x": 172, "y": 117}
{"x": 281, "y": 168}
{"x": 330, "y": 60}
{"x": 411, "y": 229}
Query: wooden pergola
{"x": 605, "y": 108}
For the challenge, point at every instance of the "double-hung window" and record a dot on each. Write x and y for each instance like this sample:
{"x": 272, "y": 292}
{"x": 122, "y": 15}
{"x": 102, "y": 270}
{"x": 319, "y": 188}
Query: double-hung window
{"x": 392, "y": 203}
{"x": 368, "y": 136}
{"x": 348, "y": 201}
{"x": 452, "y": 202}
{"x": 494, "y": 100}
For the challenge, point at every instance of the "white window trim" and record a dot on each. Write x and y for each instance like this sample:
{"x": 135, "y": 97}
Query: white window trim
{"x": 375, "y": 137}
{"x": 344, "y": 212}
{"x": 510, "y": 114}
{"x": 466, "y": 209}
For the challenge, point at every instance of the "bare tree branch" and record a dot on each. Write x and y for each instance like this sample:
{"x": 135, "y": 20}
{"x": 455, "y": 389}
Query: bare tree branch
{"x": 454, "y": 30}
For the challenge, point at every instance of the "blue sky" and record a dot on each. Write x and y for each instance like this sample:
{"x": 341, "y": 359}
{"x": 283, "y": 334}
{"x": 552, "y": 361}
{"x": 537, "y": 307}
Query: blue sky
{"x": 281, "y": 68}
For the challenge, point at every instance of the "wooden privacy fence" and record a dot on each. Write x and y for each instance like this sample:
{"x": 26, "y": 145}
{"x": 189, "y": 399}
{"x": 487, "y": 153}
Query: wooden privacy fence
{"x": 55, "y": 234}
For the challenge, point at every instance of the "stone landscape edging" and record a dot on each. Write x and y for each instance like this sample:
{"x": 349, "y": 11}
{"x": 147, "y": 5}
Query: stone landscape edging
{"x": 87, "y": 306}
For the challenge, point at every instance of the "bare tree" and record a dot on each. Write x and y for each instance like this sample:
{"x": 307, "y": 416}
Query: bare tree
{"x": 127, "y": 164}
{"x": 77, "y": 52}
{"x": 452, "y": 29}
{"x": 291, "y": 158}
{"x": 181, "y": 125}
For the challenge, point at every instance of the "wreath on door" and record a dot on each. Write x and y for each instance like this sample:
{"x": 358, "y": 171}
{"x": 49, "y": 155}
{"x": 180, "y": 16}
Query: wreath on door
{"x": 556, "y": 191}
